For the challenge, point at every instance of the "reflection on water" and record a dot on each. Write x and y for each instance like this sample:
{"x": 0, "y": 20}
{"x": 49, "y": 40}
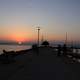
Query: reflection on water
{"x": 14, "y": 47}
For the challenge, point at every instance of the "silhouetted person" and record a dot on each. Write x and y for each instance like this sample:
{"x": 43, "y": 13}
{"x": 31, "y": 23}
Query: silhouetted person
{"x": 59, "y": 50}
{"x": 4, "y": 51}
{"x": 35, "y": 49}
{"x": 71, "y": 49}
{"x": 64, "y": 50}
{"x": 6, "y": 56}
{"x": 77, "y": 51}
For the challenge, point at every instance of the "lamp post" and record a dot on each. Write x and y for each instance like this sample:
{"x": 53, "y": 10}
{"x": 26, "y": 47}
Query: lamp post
{"x": 66, "y": 39}
{"x": 38, "y": 28}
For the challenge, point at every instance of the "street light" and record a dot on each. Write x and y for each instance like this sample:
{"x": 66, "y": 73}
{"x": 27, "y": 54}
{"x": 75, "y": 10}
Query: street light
{"x": 38, "y": 28}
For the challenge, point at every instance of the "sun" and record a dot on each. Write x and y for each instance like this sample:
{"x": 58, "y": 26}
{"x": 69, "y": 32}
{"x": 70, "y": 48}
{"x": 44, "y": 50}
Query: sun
{"x": 19, "y": 42}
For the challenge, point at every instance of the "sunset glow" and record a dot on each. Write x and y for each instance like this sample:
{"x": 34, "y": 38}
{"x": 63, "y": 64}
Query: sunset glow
{"x": 19, "y": 19}
{"x": 19, "y": 43}
{"x": 18, "y": 37}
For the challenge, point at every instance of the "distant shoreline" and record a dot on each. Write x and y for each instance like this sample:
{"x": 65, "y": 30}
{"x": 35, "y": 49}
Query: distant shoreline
{"x": 16, "y": 44}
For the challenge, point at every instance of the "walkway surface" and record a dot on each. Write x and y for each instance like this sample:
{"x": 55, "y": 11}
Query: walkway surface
{"x": 46, "y": 66}
{"x": 50, "y": 67}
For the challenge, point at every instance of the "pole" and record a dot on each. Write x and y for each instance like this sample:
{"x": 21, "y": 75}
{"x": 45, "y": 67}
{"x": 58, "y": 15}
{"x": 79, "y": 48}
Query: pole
{"x": 38, "y": 34}
{"x": 66, "y": 39}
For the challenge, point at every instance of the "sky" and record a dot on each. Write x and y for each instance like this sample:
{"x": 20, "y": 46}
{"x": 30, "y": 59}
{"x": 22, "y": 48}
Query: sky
{"x": 19, "y": 19}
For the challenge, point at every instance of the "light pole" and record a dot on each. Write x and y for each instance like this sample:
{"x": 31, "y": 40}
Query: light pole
{"x": 66, "y": 39}
{"x": 38, "y": 28}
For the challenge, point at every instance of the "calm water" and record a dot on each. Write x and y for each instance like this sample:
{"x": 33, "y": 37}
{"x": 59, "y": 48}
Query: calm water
{"x": 14, "y": 47}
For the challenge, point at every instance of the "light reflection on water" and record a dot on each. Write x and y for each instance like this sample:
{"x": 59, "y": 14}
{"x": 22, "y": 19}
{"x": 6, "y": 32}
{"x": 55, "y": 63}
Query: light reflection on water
{"x": 14, "y": 47}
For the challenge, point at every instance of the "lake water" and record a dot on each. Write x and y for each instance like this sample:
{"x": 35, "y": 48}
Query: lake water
{"x": 14, "y": 47}
{"x": 20, "y": 47}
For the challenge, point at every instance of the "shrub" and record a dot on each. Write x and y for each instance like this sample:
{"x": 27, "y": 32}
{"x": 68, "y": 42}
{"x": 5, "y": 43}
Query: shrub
{"x": 45, "y": 43}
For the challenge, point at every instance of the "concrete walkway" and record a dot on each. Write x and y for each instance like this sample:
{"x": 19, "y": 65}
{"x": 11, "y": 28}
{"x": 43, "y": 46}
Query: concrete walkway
{"x": 46, "y": 66}
{"x": 50, "y": 67}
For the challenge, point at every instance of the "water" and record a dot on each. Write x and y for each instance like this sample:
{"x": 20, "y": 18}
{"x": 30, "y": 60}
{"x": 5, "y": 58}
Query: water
{"x": 14, "y": 47}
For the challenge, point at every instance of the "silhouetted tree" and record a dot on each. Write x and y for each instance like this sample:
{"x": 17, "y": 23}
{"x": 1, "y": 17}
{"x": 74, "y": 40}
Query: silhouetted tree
{"x": 45, "y": 43}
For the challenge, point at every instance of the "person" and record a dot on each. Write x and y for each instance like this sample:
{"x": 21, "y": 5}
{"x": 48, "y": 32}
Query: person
{"x": 59, "y": 50}
{"x": 71, "y": 49}
{"x": 6, "y": 56}
{"x": 64, "y": 50}
{"x": 35, "y": 49}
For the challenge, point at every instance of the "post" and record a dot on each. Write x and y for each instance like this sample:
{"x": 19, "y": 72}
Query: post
{"x": 66, "y": 39}
{"x": 38, "y": 34}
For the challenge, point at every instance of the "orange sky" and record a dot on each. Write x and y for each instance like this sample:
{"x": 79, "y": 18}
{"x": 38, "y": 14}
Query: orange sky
{"x": 21, "y": 34}
{"x": 17, "y": 33}
{"x": 19, "y": 19}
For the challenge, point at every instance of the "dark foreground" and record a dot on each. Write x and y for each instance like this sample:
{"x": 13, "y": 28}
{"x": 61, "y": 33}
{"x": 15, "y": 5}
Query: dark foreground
{"x": 46, "y": 66}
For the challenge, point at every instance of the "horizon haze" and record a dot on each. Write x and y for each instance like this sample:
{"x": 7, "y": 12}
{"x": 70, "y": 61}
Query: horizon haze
{"x": 19, "y": 19}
